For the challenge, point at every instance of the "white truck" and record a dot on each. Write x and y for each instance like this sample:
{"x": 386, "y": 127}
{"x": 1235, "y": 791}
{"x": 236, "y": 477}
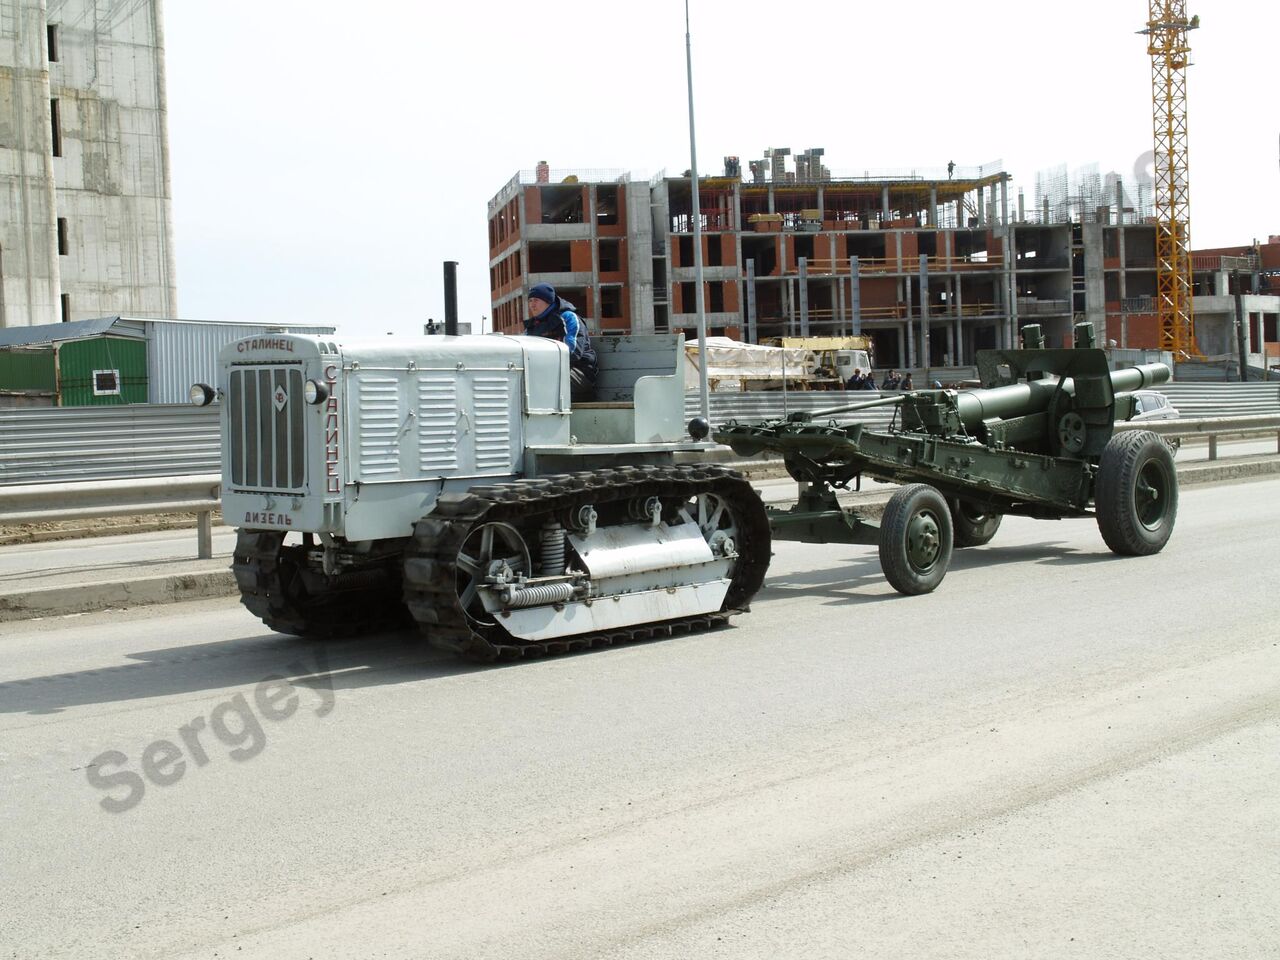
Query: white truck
{"x": 811, "y": 363}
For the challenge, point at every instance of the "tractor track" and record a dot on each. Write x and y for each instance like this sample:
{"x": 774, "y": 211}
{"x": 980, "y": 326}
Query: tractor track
{"x": 273, "y": 586}
{"x": 430, "y": 574}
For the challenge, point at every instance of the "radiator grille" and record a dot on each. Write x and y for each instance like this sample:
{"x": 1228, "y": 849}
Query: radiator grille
{"x": 266, "y": 432}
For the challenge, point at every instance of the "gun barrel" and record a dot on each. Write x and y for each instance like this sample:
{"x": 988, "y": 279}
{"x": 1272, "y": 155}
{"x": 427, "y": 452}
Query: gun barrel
{"x": 1020, "y": 399}
{"x": 1140, "y": 377}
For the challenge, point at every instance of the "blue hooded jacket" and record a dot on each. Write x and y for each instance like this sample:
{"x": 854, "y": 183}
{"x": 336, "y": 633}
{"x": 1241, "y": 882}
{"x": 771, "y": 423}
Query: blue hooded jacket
{"x": 559, "y": 322}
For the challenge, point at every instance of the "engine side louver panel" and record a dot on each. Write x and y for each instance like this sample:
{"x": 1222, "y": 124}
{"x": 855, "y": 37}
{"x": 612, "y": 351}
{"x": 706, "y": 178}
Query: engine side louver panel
{"x": 437, "y": 424}
{"x": 492, "y": 423}
{"x": 379, "y": 453}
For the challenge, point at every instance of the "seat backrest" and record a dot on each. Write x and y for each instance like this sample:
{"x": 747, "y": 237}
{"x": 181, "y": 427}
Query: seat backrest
{"x": 624, "y": 360}
{"x": 639, "y": 395}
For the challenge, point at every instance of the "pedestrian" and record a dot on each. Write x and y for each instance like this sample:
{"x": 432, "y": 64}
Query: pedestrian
{"x": 907, "y": 384}
{"x": 869, "y": 381}
{"x": 554, "y": 318}
{"x": 854, "y": 382}
{"x": 892, "y": 381}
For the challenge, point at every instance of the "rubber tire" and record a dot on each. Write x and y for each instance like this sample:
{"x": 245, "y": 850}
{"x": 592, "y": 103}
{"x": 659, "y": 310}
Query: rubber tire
{"x": 967, "y": 532}
{"x": 916, "y": 500}
{"x": 1131, "y": 460}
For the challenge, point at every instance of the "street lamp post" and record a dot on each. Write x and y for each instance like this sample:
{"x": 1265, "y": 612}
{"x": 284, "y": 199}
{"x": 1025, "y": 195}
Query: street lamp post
{"x": 698, "y": 296}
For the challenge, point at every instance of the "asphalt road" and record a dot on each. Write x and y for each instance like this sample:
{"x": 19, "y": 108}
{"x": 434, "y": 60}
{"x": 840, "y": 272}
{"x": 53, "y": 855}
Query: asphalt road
{"x": 1060, "y": 753}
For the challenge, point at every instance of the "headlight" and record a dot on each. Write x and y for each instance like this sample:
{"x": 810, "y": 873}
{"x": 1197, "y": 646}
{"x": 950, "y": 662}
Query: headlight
{"x": 313, "y": 391}
{"x": 201, "y": 394}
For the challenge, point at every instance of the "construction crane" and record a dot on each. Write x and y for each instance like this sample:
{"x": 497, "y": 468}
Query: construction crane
{"x": 1166, "y": 32}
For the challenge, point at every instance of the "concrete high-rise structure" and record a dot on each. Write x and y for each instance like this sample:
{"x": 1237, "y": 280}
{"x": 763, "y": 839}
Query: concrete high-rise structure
{"x": 932, "y": 265}
{"x": 85, "y": 218}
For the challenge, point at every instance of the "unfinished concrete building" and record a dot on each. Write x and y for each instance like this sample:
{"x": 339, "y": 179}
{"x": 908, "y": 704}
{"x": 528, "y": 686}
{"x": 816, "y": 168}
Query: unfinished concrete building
{"x": 1239, "y": 286}
{"x": 85, "y": 221}
{"x": 589, "y": 236}
{"x": 788, "y": 252}
{"x": 932, "y": 265}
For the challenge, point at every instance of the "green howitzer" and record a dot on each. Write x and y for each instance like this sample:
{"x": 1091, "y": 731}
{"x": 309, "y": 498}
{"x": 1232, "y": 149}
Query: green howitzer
{"x": 1037, "y": 440}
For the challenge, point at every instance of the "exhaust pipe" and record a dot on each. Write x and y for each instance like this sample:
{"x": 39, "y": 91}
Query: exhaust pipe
{"x": 451, "y": 298}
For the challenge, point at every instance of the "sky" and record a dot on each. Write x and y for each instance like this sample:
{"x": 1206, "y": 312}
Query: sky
{"x": 327, "y": 158}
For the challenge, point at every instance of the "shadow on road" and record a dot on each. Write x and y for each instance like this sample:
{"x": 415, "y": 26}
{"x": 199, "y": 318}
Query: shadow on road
{"x": 840, "y": 584}
{"x": 404, "y": 657}
{"x": 196, "y": 668}
{"x": 235, "y": 665}
{"x": 829, "y": 583}
{"x": 1046, "y": 553}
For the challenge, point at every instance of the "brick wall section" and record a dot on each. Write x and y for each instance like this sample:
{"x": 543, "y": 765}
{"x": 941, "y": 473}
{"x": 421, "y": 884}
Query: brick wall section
{"x": 532, "y": 205}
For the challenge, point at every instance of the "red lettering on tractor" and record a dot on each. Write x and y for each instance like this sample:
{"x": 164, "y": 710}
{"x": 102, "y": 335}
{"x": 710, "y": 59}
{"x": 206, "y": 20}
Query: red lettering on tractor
{"x": 332, "y": 446}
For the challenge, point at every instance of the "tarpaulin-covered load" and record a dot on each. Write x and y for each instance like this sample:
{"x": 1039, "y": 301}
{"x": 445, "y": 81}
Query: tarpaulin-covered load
{"x": 735, "y": 366}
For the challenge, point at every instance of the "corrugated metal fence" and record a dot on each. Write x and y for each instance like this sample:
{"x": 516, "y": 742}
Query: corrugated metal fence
{"x": 1223, "y": 399}
{"x": 161, "y": 440}
{"x": 53, "y": 444}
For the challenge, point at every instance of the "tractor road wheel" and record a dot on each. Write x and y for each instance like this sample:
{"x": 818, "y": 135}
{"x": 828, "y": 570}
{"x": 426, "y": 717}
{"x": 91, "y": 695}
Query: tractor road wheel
{"x": 971, "y": 525}
{"x": 1136, "y": 497}
{"x": 915, "y": 539}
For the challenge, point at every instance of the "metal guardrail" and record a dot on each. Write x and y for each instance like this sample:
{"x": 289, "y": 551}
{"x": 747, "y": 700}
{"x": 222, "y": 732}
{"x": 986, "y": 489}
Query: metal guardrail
{"x": 1210, "y": 427}
{"x": 201, "y": 494}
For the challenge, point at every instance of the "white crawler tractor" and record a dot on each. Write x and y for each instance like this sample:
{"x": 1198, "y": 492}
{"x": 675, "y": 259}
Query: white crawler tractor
{"x": 447, "y": 480}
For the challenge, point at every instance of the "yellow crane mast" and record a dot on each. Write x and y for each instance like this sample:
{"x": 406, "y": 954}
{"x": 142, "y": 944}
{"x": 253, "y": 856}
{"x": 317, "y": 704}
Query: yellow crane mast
{"x": 1166, "y": 32}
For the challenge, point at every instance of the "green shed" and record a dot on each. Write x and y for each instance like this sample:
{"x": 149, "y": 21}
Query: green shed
{"x": 101, "y": 371}
{"x": 85, "y": 363}
{"x": 29, "y": 372}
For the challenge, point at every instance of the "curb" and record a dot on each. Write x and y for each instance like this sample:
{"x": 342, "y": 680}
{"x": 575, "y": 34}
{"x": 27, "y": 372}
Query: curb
{"x": 1217, "y": 471}
{"x": 175, "y": 588}
{"x": 171, "y": 588}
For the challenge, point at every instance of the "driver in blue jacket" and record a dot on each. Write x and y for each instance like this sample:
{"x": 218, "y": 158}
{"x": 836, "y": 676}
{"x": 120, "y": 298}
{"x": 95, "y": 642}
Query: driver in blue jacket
{"x": 552, "y": 317}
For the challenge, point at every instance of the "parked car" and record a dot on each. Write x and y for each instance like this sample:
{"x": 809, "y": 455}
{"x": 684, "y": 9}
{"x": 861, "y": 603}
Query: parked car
{"x": 1151, "y": 405}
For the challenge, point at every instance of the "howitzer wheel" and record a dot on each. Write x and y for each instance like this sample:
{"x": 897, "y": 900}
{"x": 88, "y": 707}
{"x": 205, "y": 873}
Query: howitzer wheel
{"x": 971, "y": 525}
{"x": 915, "y": 539}
{"x": 1136, "y": 497}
